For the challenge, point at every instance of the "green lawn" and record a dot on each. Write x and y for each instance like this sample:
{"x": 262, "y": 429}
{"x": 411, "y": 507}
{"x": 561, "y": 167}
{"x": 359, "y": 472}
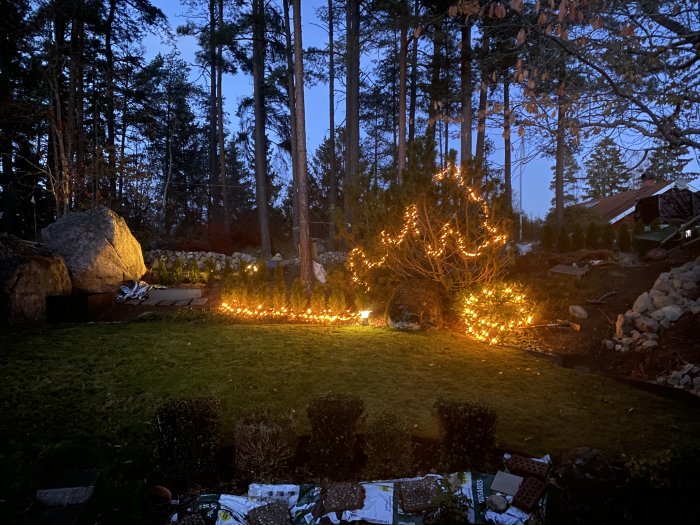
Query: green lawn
{"x": 77, "y": 395}
{"x": 106, "y": 379}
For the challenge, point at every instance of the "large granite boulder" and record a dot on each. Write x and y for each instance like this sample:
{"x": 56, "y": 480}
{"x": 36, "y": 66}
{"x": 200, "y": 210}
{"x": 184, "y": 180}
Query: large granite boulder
{"x": 415, "y": 305}
{"x": 29, "y": 273}
{"x": 98, "y": 248}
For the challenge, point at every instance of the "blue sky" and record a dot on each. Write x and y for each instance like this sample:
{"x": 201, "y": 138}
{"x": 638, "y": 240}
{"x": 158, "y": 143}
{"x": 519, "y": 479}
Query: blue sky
{"x": 537, "y": 174}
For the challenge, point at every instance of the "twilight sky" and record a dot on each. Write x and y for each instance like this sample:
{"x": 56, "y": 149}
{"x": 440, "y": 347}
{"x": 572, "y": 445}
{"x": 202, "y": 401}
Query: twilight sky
{"x": 536, "y": 196}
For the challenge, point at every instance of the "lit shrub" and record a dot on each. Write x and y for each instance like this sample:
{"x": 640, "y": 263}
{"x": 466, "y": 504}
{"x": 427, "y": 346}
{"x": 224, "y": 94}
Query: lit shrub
{"x": 336, "y": 301}
{"x": 495, "y": 313}
{"x": 228, "y": 276}
{"x": 279, "y": 289}
{"x": 193, "y": 273}
{"x": 265, "y": 444}
{"x": 177, "y": 272}
{"x": 318, "y": 299}
{"x": 334, "y": 420}
{"x": 467, "y": 433}
{"x": 209, "y": 269}
{"x": 187, "y": 438}
{"x": 297, "y": 298}
{"x": 388, "y": 447}
{"x": 162, "y": 273}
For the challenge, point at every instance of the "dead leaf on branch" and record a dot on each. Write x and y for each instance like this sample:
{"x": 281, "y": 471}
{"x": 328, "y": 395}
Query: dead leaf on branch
{"x": 522, "y": 35}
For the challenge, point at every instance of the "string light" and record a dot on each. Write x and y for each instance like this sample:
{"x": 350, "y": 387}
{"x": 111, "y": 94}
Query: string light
{"x": 435, "y": 251}
{"x": 497, "y": 311}
{"x": 262, "y": 313}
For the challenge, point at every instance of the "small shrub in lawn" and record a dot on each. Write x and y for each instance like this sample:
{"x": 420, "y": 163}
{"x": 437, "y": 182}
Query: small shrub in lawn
{"x": 279, "y": 289}
{"x": 624, "y": 241}
{"x": 265, "y": 444}
{"x": 468, "y": 433}
{"x": 318, "y": 299}
{"x": 193, "y": 273}
{"x": 187, "y": 438}
{"x": 592, "y": 234}
{"x": 297, "y": 298}
{"x": 177, "y": 272}
{"x": 336, "y": 300}
{"x": 577, "y": 239}
{"x": 162, "y": 273}
{"x": 563, "y": 243}
{"x": 388, "y": 447}
{"x": 334, "y": 420}
{"x": 228, "y": 276}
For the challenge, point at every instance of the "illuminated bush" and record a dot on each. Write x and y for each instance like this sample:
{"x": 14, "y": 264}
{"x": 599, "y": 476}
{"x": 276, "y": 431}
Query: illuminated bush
{"x": 449, "y": 235}
{"x": 495, "y": 313}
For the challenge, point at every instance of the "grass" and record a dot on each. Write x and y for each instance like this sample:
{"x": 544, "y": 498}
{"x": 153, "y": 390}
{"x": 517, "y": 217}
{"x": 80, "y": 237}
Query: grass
{"x": 80, "y": 395}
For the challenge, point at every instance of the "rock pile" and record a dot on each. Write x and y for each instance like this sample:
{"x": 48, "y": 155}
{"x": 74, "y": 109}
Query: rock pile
{"x": 674, "y": 294}
{"x": 687, "y": 377}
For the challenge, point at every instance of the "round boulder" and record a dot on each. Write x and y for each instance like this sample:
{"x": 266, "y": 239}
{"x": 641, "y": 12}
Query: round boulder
{"x": 415, "y": 305}
{"x": 29, "y": 273}
{"x": 98, "y": 249}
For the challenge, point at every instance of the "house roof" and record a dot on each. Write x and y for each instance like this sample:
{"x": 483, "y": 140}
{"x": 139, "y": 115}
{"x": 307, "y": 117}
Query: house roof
{"x": 618, "y": 206}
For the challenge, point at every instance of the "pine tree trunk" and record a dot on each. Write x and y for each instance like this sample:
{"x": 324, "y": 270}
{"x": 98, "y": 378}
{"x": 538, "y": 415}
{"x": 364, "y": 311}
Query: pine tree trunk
{"x": 481, "y": 121}
{"x": 413, "y": 91}
{"x": 333, "y": 167}
{"x": 260, "y": 138}
{"x": 293, "y": 122}
{"x": 220, "y": 114}
{"x": 560, "y": 158}
{"x": 109, "y": 114}
{"x": 214, "y": 189}
{"x": 466, "y": 124}
{"x": 507, "y": 164}
{"x": 304, "y": 239}
{"x": 403, "y": 59}
{"x": 352, "y": 110}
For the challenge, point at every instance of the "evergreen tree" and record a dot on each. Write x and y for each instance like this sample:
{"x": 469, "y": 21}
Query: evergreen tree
{"x": 572, "y": 183}
{"x": 592, "y": 235}
{"x": 606, "y": 173}
{"x": 563, "y": 243}
{"x": 667, "y": 163}
{"x": 548, "y": 237}
{"x": 577, "y": 239}
{"x": 607, "y": 237}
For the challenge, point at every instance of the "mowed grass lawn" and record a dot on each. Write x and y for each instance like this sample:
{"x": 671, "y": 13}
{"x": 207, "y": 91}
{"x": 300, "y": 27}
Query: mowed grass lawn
{"x": 94, "y": 387}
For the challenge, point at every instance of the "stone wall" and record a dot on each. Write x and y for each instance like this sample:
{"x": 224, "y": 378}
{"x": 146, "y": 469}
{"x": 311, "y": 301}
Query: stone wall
{"x": 219, "y": 259}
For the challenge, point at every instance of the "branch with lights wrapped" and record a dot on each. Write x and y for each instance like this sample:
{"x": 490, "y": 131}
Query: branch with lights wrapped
{"x": 449, "y": 236}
